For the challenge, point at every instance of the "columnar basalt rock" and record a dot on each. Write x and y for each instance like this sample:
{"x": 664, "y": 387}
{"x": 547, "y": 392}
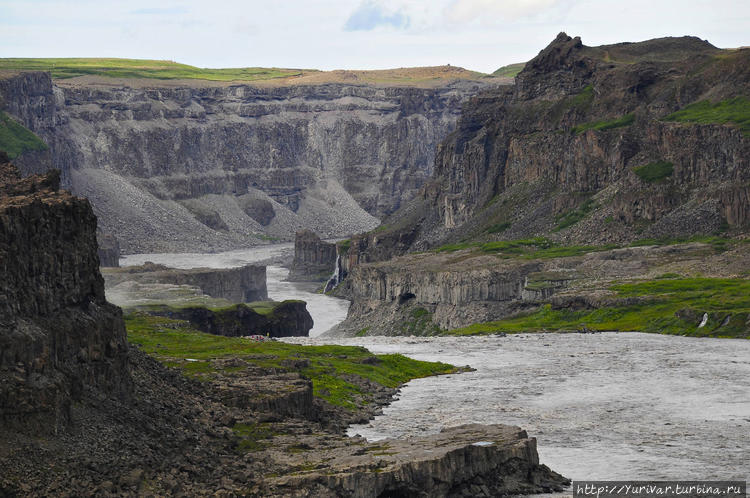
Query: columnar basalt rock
{"x": 314, "y": 259}
{"x": 58, "y": 335}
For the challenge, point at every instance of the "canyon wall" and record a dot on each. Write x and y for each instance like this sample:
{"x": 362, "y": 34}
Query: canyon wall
{"x": 314, "y": 259}
{"x": 216, "y": 167}
{"x": 58, "y": 335}
{"x": 243, "y": 284}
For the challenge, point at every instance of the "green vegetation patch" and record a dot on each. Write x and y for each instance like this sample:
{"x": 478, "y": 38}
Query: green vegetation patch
{"x": 175, "y": 341}
{"x": 253, "y": 437}
{"x": 15, "y": 139}
{"x": 510, "y": 71}
{"x": 534, "y": 248}
{"x": 718, "y": 244}
{"x": 573, "y": 216}
{"x": 626, "y": 120}
{"x": 655, "y": 171}
{"x": 731, "y": 111}
{"x": 140, "y": 68}
{"x": 498, "y": 227}
{"x": 665, "y": 305}
{"x": 419, "y": 322}
{"x": 344, "y": 245}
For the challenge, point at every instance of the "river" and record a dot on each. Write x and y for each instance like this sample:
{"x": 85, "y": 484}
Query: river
{"x": 602, "y": 406}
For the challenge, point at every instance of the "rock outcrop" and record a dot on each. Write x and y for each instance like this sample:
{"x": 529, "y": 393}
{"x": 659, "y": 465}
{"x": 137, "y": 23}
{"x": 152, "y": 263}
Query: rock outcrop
{"x": 469, "y": 460}
{"x": 314, "y": 259}
{"x": 273, "y": 319}
{"x": 109, "y": 250}
{"x": 219, "y": 167}
{"x": 58, "y": 335}
{"x": 238, "y": 285}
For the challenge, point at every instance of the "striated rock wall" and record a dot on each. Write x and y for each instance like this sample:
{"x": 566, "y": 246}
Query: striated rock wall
{"x": 219, "y": 167}
{"x": 239, "y": 285}
{"x": 58, "y": 335}
{"x": 314, "y": 259}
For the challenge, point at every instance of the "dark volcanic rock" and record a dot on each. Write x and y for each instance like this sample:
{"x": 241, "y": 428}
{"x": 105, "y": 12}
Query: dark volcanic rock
{"x": 314, "y": 259}
{"x": 284, "y": 319}
{"x": 58, "y": 335}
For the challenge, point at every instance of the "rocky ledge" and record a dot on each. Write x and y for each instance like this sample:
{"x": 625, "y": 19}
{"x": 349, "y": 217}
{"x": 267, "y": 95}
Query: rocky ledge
{"x": 238, "y": 285}
{"x": 470, "y": 460}
{"x": 273, "y": 319}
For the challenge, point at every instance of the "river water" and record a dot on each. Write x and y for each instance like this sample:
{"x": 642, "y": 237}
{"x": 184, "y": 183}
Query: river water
{"x": 602, "y": 406}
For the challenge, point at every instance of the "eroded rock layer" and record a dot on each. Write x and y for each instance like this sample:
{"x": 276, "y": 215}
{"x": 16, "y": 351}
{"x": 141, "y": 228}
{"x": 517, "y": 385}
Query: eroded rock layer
{"x": 171, "y": 169}
{"x": 314, "y": 259}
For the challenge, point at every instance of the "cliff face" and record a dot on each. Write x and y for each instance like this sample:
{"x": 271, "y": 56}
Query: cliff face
{"x": 239, "y": 285}
{"x": 314, "y": 259}
{"x": 217, "y": 167}
{"x": 58, "y": 335}
{"x": 570, "y": 152}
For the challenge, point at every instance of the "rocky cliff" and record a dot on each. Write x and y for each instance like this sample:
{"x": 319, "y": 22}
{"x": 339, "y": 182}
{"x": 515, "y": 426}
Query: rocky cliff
{"x": 109, "y": 250}
{"x": 58, "y": 335}
{"x": 314, "y": 259}
{"x": 594, "y": 145}
{"x": 174, "y": 168}
{"x": 243, "y": 284}
{"x": 273, "y": 319}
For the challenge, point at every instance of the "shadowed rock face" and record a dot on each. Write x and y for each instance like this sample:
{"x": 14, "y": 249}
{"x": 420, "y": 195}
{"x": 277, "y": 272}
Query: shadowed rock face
{"x": 214, "y": 167}
{"x": 314, "y": 259}
{"x": 58, "y": 335}
{"x": 283, "y": 319}
{"x": 109, "y": 250}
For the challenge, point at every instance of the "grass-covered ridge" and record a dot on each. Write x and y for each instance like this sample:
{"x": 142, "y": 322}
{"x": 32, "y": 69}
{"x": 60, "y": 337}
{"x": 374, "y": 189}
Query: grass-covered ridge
{"x": 175, "y": 341}
{"x": 734, "y": 111}
{"x": 15, "y": 139}
{"x": 510, "y": 71}
{"x": 655, "y": 171}
{"x": 666, "y": 305}
{"x": 537, "y": 247}
{"x": 626, "y": 120}
{"x": 141, "y": 68}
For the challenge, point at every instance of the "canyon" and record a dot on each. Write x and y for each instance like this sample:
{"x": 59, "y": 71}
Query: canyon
{"x": 201, "y": 166}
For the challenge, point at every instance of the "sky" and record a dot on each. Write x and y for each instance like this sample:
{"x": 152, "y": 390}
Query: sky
{"x": 481, "y": 35}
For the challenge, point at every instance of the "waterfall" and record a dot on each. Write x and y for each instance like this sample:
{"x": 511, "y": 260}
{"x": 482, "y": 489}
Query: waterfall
{"x": 336, "y": 277}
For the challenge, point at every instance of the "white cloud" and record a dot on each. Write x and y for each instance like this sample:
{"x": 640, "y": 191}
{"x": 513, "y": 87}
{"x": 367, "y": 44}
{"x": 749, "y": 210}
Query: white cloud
{"x": 369, "y": 15}
{"x": 466, "y": 11}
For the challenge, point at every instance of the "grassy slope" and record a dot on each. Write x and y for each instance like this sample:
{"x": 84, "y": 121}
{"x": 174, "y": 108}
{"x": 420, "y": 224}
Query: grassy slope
{"x": 668, "y": 306}
{"x": 172, "y": 341}
{"x": 734, "y": 111}
{"x": 510, "y": 71}
{"x": 15, "y": 139}
{"x": 137, "y": 68}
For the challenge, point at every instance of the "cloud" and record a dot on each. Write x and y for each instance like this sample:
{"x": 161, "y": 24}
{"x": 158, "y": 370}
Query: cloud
{"x": 465, "y": 11}
{"x": 160, "y": 11}
{"x": 369, "y": 15}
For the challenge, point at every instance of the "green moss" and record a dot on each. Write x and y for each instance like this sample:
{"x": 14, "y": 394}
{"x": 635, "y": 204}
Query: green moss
{"x": 734, "y": 111}
{"x": 173, "y": 341}
{"x": 419, "y": 323}
{"x": 573, "y": 216}
{"x": 344, "y": 245}
{"x": 498, "y": 227}
{"x": 252, "y": 437}
{"x": 655, "y": 171}
{"x": 139, "y": 68}
{"x": 626, "y": 120}
{"x": 669, "y": 306}
{"x": 16, "y": 139}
